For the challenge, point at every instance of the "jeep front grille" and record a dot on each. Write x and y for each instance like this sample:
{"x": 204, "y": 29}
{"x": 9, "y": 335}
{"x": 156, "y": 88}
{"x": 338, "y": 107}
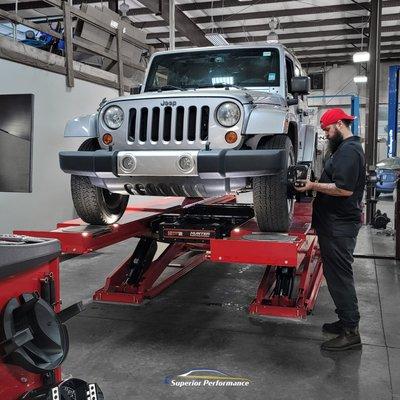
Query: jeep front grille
{"x": 165, "y": 124}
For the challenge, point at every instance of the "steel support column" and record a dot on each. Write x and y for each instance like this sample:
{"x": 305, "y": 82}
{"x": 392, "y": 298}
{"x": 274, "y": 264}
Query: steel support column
{"x": 355, "y": 111}
{"x": 393, "y": 109}
{"x": 171, "y": 24}
{"x": 373, "y": 99}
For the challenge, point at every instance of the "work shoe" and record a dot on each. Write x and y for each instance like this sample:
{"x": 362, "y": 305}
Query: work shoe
{"x": 349, "y": 339}
{"x": 334, "y": 327}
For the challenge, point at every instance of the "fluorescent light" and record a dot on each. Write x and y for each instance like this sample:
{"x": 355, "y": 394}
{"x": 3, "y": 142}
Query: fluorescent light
{"x": 360, "y": 79}
{"x": 216, "y": 39}
{"x": 361, "y": 56}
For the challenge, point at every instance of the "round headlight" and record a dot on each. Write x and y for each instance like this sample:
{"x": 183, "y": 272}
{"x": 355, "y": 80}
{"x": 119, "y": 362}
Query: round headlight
{"x": 113, "y": 117}
{"x": 228, "y": 114}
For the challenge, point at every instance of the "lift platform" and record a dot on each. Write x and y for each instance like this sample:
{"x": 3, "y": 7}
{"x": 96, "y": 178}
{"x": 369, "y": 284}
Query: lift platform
{"x": 218, "y": 230}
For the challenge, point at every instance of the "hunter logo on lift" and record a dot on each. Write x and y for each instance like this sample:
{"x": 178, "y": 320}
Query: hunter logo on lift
{"x": 180, "y": 234}
{"x": 166, "y": 103}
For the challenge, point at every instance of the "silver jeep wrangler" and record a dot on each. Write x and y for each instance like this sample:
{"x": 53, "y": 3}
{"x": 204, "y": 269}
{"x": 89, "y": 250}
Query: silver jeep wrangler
{"x": 206, "y": 122}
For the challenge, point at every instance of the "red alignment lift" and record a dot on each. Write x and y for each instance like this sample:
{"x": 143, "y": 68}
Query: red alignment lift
{"x": 214, "y": 229}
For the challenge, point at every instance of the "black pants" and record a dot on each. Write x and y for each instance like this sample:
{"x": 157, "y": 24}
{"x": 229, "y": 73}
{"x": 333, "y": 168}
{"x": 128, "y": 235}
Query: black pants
{"x": 337, "y": 258}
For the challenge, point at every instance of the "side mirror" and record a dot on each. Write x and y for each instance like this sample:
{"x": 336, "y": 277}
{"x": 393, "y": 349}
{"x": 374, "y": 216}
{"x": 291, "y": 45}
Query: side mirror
{"x": 292, "y": 102}
{"x": 136, "y": 89}
{"x": 300, "y": 85}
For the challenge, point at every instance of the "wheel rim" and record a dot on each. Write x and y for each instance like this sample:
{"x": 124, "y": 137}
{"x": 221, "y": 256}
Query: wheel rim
{"x": 112, "y": 200}
{"x": 290, "y": 200}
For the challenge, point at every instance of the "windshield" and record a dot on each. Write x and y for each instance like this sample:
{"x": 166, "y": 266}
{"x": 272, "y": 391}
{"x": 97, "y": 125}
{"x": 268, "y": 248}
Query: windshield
{"x": 242, "y": 67}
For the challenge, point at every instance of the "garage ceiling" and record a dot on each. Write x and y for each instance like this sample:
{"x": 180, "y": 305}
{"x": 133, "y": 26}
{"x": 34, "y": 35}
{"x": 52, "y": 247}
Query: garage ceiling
{"x": 320, "y": 32}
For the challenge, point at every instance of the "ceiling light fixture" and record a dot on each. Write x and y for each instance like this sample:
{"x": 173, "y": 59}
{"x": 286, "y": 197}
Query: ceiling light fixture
{"x": 361, "y": 56}
{"x": 360, "y": 79}
{"x": 216, "y": 39}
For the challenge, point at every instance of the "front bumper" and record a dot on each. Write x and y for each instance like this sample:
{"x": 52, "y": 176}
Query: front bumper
{"x": 206, "y": 164}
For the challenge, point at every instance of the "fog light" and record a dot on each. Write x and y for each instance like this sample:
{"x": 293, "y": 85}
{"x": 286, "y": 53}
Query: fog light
{"x": 186, "y": 163}
{"x": 107, "y": 139}
{"x": 231, "y": 137}
{"x": 128, "y": 163}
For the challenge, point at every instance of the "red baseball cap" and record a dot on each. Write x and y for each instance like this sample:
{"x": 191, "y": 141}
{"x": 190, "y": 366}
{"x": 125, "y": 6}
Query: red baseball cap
{"x": 334, "y": 115}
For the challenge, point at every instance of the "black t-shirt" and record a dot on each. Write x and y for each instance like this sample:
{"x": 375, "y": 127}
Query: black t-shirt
{"x": 341, "y": 216}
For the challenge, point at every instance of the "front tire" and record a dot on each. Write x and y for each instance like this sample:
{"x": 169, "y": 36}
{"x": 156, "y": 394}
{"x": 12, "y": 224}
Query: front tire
{"x": 272, "y": 207}
{"x": 95, "y": 205}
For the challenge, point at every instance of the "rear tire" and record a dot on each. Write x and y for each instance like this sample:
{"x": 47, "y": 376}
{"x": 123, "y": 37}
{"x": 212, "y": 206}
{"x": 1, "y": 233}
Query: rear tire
{"x": 273, "y": 208}
{"x": 95, "y": 205}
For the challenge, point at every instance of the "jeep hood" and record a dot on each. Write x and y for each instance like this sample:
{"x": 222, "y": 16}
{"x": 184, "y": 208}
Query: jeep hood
{"x": 247, "y": 96}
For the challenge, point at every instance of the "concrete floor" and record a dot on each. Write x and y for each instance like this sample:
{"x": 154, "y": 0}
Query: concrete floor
{"x": 202, "y": 322}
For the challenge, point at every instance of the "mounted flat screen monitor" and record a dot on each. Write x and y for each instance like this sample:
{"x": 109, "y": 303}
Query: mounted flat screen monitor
{"x": 16, "y": 125}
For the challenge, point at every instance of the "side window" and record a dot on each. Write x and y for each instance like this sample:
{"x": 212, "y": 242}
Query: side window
{"x": 289, "y": 73}
{"x": 297, "y": 71}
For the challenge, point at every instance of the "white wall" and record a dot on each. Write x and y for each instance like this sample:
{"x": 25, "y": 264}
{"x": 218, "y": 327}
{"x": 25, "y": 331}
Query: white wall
{"x": 339, "y": 81}
{"x": 54, "y": 104}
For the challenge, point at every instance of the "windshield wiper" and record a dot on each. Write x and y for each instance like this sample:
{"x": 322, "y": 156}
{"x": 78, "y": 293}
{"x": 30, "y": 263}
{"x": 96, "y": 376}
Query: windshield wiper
{"x": 228, "y": 85}
{"x": 170, "y": 87}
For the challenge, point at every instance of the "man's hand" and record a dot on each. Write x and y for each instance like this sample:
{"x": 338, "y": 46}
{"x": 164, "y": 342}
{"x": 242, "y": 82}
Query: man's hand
{"x": 328, "y": 188}
{"x": 308, "y": 185}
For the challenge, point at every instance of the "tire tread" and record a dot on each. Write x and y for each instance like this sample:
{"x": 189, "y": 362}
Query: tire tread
{"x": 268, "y": 191}
{"x": 88, "y": 198}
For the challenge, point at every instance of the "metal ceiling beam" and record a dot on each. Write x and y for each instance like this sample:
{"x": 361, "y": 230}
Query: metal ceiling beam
{"x": 288, "y": 12}
{"x": 184, "y": 25}
{"x": 25, "y": 6}
{"x": 191, "y": 6}
{"x": 144, "y": 10}
{"x": 210, "y": 5}
{"x": 32, "y": 5}
{"x": 314, "y": 34}
{"x": 361, "y": 5}
{"x": 279, "y": 13}
{"x": 327, "y": 43}
{"x": 288, "y": 36}
{"x": 389, "y": 58}
{"x": 275, "y": 13}
{"x": 308, "y": 44}
{"x": 340, "y": 50}
{"x": 283, "y": 25}
{"x": 344, "y": 58}
{"x": 321, "y": 63}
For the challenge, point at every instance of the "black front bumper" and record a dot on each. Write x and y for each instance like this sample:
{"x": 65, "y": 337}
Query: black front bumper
{"x": 211, "y": 164}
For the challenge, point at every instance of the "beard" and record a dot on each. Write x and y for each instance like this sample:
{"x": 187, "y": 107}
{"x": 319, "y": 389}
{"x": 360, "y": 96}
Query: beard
{"x": 335, "y": 141}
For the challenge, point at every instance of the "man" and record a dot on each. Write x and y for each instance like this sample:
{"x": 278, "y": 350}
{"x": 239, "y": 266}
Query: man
{"x": 337, "y": 220}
